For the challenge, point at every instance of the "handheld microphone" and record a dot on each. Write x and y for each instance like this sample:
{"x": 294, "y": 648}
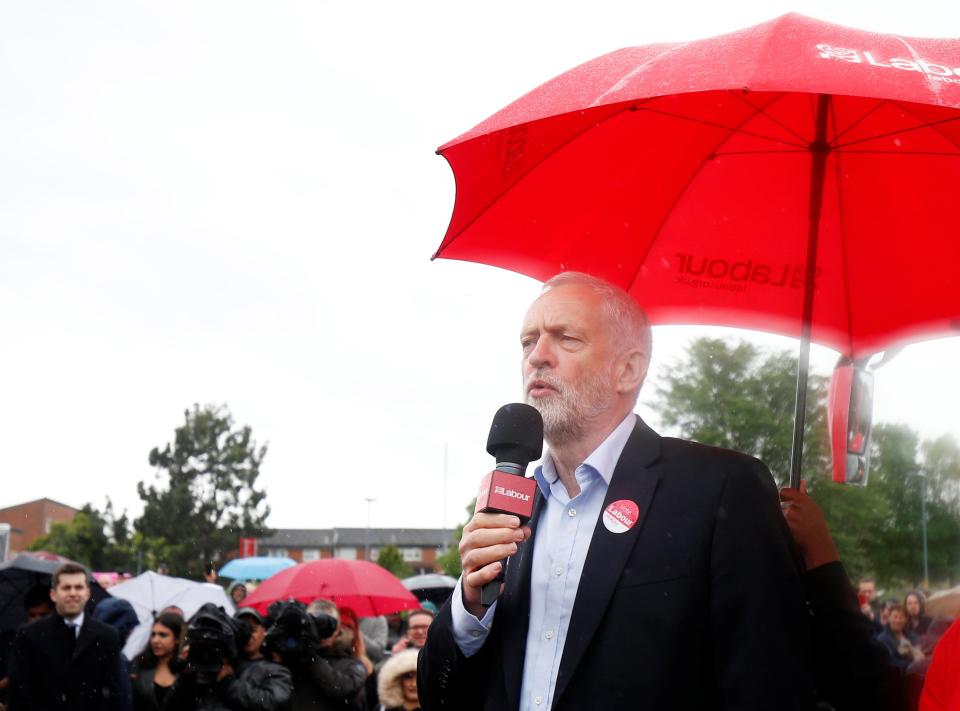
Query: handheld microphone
{"x": 515, "y": 440}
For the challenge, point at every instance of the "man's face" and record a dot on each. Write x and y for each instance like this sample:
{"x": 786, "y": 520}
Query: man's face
{"x": 71, "y": 594}
{"x": 257, "y": 633}
{"x": 897, "y": 621}
{"x": 417, "y": 629}
{"x": 37, "y": 611}
{"x": 869, "y": 589}
{"x": 568, "y": 361}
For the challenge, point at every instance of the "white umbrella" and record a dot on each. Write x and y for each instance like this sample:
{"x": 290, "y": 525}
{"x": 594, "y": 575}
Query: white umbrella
{"x": 151, "y": 592}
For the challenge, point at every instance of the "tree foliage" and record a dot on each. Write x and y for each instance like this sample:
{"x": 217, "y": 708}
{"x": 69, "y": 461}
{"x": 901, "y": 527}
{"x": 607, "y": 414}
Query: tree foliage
{"x": 736, "y": 396}
{"x": 101, "y": 541}
{"x": 206, "y": 495}
{"x": 391, "y": 558}
{"x": 449, "y": 560}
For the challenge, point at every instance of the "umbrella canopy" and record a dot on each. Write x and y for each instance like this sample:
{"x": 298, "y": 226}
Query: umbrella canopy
{"x": 793, "y": 177}
{"x": 151, "y": 592}
{"x": 359, "y": 585}
{"x": 431, "y": 586}
{"x": 255, "y": 568}
{"x": 24, "y": 571}
{"x": 429, "y": 581}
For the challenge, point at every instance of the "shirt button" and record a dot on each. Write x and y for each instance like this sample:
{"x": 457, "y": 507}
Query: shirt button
{"x": 548, "y": 634}
{"x": 475, "y": 633}
{"x": 558, "y": 570}
{"x": 538, "y": 700}
{"x": 571, "y": 513}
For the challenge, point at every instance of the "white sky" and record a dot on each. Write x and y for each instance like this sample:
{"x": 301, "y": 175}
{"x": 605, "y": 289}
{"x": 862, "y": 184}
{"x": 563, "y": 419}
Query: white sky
{"x": 236, "y": 202}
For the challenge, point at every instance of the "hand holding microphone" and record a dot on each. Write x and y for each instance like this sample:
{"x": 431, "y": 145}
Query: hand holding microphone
{"x": 504, "y": 505}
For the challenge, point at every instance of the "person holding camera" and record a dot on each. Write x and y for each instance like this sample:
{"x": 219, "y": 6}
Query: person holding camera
{"x": 207, "y": 660}
{"x": 326, "y": 675}
{"x": 259, "y": 684}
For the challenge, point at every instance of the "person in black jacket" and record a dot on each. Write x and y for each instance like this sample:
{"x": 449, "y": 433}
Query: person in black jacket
{"x": 67, "y": 660}
{"x": 326, "y": 675}
{"x": 155, "y": 667}
{"x": 849, "y": 664}
{"x": 207, "y": 663}
{"x": 260, "y": 685}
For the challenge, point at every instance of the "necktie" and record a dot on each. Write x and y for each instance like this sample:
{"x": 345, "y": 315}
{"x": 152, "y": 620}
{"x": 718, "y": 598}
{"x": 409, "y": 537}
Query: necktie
{"x": 71, "y": 639}
{"x": 74, "y": 629}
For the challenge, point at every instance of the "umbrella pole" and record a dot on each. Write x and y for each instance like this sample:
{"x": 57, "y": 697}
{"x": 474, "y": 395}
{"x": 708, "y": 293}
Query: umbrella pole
{"x": 819, "y": 150}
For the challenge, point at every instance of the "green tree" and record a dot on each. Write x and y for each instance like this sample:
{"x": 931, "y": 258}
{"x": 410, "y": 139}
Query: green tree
{"x": 449, "y": 560}
{"x": 101, "y": 541}
{"x": 738, "y": 397}
{"x": 206, "y": 495}
{"x": 391, "y": 559}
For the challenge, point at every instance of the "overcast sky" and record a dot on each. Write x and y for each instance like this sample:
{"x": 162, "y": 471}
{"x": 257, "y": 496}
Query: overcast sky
{"x": 235, "y": 202}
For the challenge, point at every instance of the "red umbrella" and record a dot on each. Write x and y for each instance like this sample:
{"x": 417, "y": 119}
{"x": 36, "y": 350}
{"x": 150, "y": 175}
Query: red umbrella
{"x": 363, "y": 587}
{"x": 711, "y": 178}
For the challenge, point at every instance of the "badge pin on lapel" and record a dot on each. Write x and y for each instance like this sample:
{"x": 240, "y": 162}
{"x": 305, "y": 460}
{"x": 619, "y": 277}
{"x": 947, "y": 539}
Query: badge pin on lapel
{"x": 621, "y": 516}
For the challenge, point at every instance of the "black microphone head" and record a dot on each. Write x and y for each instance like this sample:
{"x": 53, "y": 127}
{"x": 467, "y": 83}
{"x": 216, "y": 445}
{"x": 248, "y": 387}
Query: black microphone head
{"x": 516, "y": 434}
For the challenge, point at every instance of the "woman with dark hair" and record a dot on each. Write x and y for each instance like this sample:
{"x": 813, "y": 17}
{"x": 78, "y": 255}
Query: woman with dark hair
{"x": 917, "y": 621}
{"x": 153, "y": 675}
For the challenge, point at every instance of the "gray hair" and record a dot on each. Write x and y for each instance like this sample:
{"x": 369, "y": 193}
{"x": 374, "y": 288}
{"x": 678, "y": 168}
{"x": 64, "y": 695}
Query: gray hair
{"x": 327, "y": 607}
{"x": 628, "y": 323}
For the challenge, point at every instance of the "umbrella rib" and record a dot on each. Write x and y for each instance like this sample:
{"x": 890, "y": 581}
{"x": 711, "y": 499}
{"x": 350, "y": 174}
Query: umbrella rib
{"x": 902, "y": 153}
{"x": 762, "y": 110}
{"x": 720, "y": 125}
{"x": 900, "y": 131}
{"x": 946, "y": 138}
{"x": 679, "y": 196}
{"x": 763, "y": 153}
{"x": 511, "y": 186}
{"x": 860, "y": 120}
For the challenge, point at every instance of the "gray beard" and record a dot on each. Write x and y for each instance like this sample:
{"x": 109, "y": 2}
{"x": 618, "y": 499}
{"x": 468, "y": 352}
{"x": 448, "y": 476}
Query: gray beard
{"x": 567, "y": 413}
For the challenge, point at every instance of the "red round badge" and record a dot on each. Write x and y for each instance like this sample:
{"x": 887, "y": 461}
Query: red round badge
{"x": 621, "y": 516}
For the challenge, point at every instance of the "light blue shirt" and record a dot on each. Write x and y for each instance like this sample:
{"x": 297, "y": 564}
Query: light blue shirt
{"x": 560, "y": 549}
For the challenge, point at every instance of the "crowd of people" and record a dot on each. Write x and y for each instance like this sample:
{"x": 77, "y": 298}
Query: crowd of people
{"x": 654, "y": 573}
{"x": 295, "y": 658}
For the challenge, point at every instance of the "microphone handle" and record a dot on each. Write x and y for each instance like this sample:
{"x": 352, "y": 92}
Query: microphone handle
{"x": 491, "y": 591}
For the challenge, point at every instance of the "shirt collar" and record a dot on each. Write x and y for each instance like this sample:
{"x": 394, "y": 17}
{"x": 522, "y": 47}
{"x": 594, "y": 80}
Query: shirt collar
{"x": 602, "y": 460}
{"x": 78, "y": 620}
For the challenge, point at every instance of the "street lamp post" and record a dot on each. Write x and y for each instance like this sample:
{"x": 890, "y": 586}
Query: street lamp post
{"x": 922, "y": 475}
{"x": 366, "y": 535}
{"x": 923, "y": 528}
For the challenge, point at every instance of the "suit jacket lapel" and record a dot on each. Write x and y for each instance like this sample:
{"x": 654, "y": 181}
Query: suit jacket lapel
{"x": 608, "y": 552}
{"x": 514, "y": 606}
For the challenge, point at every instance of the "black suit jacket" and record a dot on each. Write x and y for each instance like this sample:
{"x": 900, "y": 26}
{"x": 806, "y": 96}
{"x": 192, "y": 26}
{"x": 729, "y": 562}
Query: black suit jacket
{"x": 49, "y": 672}
{"x": 698, "y": 606}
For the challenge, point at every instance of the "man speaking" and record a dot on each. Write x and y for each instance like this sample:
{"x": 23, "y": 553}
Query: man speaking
{"x": 655, "y": 573}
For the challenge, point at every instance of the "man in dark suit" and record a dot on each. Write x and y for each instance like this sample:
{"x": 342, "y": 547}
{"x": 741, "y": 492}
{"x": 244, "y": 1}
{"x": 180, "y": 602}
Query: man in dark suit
{"x": 655, "y": 574}
{"x": 66, "y": 660}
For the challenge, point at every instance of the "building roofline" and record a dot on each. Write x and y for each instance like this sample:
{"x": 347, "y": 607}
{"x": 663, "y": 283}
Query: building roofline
{"x": 41, "y": 500}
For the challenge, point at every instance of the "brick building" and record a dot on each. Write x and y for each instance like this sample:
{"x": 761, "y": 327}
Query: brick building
{"x": 33, "y": 519}
{"x": 418, "y": 546}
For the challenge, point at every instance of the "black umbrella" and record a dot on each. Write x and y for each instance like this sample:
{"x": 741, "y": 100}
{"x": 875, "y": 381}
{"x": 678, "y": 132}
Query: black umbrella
{"x": 23, "y": 572}
{"x": 431, "y": 586}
